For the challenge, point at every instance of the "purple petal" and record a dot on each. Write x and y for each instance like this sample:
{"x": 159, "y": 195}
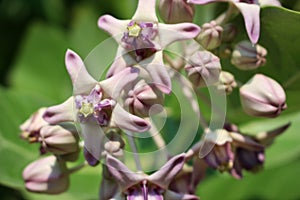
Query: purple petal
{"x": 169, "y": 195}
{"x": 124, "y": 176}
{"x": 113, "y": 26}
{"x": 246, "y": 142}
{"x": 158, "y": 72}
{"x": 166, "y": 173}
{"x": 127, "y": 121}
{"x": 115, "y": 84}
{"x": 61, "y": 113}
{"x": 93, "y": 136}
{"x": 145, "y": 11}
{"x": 169, "y": 33}
{"x": 252, "y": 19}
{"x": 82, "y": 81}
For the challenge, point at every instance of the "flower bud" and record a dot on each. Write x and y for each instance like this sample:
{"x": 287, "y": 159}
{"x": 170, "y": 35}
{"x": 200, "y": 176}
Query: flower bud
{"x": 32, "y": 126}
{"x": 263, "y": 96}
{"x": 57, "y": 140}
{"x": 248, "y": 56}
{"x": 46, "y": 175}
{"x": 203, "y": 68}
{"x": 210, "y": 35}
{"x": 114, "y": 144}
{"x": 142, "y": 98}
{"x": 226, "y": 82}
{"x": 176, "y": 11}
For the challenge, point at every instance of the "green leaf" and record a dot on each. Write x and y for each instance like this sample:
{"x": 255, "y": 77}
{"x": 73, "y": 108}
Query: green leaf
{"x": 275, "y": 183}
{"x": 40, "y": 65}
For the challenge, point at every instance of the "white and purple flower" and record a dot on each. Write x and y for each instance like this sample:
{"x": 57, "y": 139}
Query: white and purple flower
{"x": 94, "y": 105}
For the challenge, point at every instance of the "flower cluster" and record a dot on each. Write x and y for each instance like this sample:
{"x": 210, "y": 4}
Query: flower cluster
{"x": 101, "y": 114}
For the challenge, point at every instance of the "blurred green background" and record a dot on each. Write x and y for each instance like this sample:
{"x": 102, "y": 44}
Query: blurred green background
{"x": 34, "y": 37}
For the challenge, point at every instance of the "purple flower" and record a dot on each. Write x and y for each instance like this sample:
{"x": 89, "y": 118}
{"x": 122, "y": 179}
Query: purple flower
{"x": 250, "y": 10}
{"x": 94, "y": 105}
{"x": 135, "y": 186}
{"x": 223, "y": 155}
{"x": 142, "y": 38}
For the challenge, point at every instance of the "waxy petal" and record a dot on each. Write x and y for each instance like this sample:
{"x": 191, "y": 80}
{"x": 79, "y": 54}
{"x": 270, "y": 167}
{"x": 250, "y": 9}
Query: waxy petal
{"x": 145, "y": 11}
{"x": 158, "y": 72}
{"x": 122, "y": 60}
{"x": 93, "y": 137}
{"x": 169, "y": 33}
{"x": 113, "y": 26}
{"x": 251, "y": 16}
{"x": 167, "y": 173}
{"x": 61, "y": 113}
{"x": 127, "y": 121}
{"x": 82, "y": 81}
{"x": 124, "y": 176}
{"x": 169, "y": 195}
{"x": 114, "y": 85}
{"x": 246, "y": 142}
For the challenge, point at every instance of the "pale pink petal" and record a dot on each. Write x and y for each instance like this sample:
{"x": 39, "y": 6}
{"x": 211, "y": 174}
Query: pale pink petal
{"x": 114, "y": 85}
{"x": 169, "y": 33}
{"x": 113, "y": 26}
{"x": 252, "y": 19}
{"x": 93, "y": 137}
{"x": 145, "y": 11}
{"x": 122, "y": 60}
{"x": 167, "y": 173}
{"x": 127, "y": 121}
{"x": 169, "y": 195}
{"x": 158, "y": 72}
{"x": 82, "y": 81}
{"x": 124, "y": 176}
{"x": 63, "y": 112}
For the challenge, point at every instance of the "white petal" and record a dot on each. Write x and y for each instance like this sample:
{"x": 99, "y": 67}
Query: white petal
{"x": 82, "y": 81}
{"x": 252, "y": 19}
{"x": 127, "y": 121}
{"x": 145, "y": 11}
{"x": 64, "y": 112}
{"x": 169, "y": 33}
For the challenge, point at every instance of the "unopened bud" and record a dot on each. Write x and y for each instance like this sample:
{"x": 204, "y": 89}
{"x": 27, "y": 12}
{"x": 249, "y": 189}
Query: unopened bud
{"x": 57, "y": 140}
{"x": 176, "y": 11}
{"x": 210, "y": 35}
{"x": 114, "y": 143}
{"x": 248, "y": 56}
{"x": 203, "y": 68}
{"x": 263, "y": 96}
{"x": 32, "y": 126}
{"x": 142, "y": 98}
{"x": 46, "y": 175}
{"x": 226, "y": 82}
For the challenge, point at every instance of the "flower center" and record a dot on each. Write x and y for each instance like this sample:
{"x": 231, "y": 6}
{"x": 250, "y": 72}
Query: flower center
{"x": 86, "y": 109}
{"x": 134, "y": 30}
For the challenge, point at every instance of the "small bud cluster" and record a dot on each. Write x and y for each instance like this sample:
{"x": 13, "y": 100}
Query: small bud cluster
{"x": 104, "y": 113}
